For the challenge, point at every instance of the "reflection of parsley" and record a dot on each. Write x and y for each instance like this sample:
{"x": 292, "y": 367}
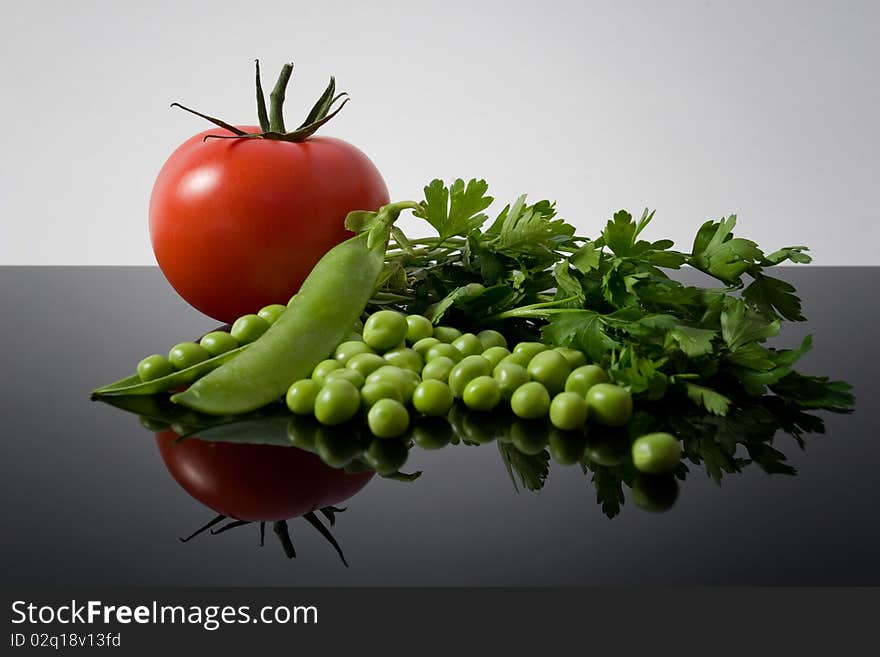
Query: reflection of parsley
{"x": 532, "y": 469}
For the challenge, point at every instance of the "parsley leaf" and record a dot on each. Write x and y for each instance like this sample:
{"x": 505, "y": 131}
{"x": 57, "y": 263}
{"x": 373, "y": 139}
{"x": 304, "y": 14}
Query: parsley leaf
{"x": 580, "y": 329}
{"x": 457, "y": 209}
{"x": 718, "y": 253}
{"x": 774, "y": 298}
{"x": 712, "y": 401}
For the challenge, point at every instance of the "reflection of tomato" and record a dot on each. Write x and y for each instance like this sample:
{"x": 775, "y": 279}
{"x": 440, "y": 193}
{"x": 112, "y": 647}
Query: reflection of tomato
{"x": 238, "y": 224}
{"x": 256, "y": 482}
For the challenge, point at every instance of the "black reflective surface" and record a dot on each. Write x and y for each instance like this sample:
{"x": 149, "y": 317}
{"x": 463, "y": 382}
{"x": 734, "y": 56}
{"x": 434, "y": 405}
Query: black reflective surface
{"x": 88, "y": 499}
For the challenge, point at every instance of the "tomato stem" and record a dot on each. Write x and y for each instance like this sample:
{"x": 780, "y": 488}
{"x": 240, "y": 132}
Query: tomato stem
{"x": 261, "y": 101}
{"x": 276, "y": 99}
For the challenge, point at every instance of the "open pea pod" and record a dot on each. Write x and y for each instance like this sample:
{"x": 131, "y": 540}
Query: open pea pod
{"x": 132, "y": 385}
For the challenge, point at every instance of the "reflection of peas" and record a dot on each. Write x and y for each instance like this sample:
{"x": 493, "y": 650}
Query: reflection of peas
{"x": 301, "y": 396}
{"x": 608, "y": 447}
{"x": 154, "y": 367}
{"x": 656, "y": 453}
{"x": 150, "y": 424}
{"x": 301, "y": 432}
{"x": 431, "y": 432}
{"x": 654, "y": 492}
{"x": 218, "y": 342}
{"x": 567, "y": 447}
{"x": 386, "y": 456}
{"x": 187, "y": 354}
{"x": 336, "y": 446}
{"x": 529, "y": 436}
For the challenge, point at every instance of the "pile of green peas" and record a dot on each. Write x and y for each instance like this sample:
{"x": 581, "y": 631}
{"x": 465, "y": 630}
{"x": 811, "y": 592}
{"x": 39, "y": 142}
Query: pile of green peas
{"x": 244, "y": 330}
{"x": 393, "y": 364}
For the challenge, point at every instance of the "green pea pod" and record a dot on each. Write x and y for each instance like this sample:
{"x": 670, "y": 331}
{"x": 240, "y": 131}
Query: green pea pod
{"x": 132, "y": 385}
{"x": 318, "y": 318}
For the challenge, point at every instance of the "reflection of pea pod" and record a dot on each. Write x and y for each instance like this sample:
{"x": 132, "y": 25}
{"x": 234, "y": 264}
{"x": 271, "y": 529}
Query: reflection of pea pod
{"x": 132, "y": 385}
{"x": 269, "y": 430}
{"x": 159, "y": 409}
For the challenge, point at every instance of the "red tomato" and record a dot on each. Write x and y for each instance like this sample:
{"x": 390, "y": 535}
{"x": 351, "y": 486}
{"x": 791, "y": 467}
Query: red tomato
{"x": 256, "y": 482}
{"x": 237, "y": 224}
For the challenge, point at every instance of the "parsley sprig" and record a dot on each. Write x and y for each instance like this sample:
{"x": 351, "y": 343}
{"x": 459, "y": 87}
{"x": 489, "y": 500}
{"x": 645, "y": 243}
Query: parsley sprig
{"x": 528, "y": 274}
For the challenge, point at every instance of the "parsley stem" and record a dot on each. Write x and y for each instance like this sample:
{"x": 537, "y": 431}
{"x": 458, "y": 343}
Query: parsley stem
{"x": 537, "y": 310}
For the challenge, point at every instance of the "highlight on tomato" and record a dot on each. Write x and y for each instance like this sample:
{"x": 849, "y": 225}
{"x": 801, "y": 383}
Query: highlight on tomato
{"x": 239, "y": 214}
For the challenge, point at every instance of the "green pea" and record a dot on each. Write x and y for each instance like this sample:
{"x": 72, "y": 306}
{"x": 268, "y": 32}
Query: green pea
{"x": 407, "y": 359}
{"x": 568, "y": 411}
{"x": 567, "y": 447}
{"x": 521, "y": 359}
{"x": 530, "y": 349}
{"x": 386, "y": 456}
{"x": 490, "y": 338}
{"x": 496, "y": 354}
{"x": 376, "y": 390}
{"x": 432, "y": 397}
{"x": 154, "y": 367}
{"x": 530, "y": 401}
{"x": 574, "y": 357}
{"x": 654, "y": 492}
{"x": 337, "y": 402}
{"x": 585, "y": 377}
{"x": 352, "y": 376}
{"x": 397, "y": 377}
{"x": 421, "y": 347}
{"x": 349, "y": 349}
{"x": 446, "y": 333}
{"x": 248, "y": 328}
{"x": 218, "y": 342}
{"x": 431, "y": 432}
{"x": 272, "y": 312}
{"x": 482, "y": 394}
{"x": 385, "y": 330}
{"x": 529, "y": 436}
{"x": 336, "y": 447}
{"x": 439, "y": 369}
{"x": 468, "y": 344}
{"x": 551, "y": 369}
{"x": 444, "y": 350}
{"x": 301, "y": 396}
{"x": 290, "y": 301}
{"x": 656, "y": 453}
{"x": 365, "y": 363}
{"x": 609, "y": 405}
{"x": 510, "y": 376}
{"x": 322, "y": 369}
{"x": 418, "y": 328}
{"x": 468, "y": 369}
{"x": 388, "y": 418}
{"x": 187, "y": 354}
{"x": 473, "y": 289}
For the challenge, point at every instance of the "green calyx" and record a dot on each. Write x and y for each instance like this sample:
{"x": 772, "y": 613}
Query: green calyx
{"x": 272, "y": 121}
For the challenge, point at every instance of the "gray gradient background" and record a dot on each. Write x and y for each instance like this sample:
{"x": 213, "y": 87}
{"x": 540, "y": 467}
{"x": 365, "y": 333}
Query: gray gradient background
{"x": 699, "y": 109}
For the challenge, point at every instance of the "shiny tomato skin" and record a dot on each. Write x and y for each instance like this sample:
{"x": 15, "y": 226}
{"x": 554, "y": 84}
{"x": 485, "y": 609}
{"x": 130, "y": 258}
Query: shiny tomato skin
{"x": 256, "y": 482}
{"x": 237, "y": 224}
